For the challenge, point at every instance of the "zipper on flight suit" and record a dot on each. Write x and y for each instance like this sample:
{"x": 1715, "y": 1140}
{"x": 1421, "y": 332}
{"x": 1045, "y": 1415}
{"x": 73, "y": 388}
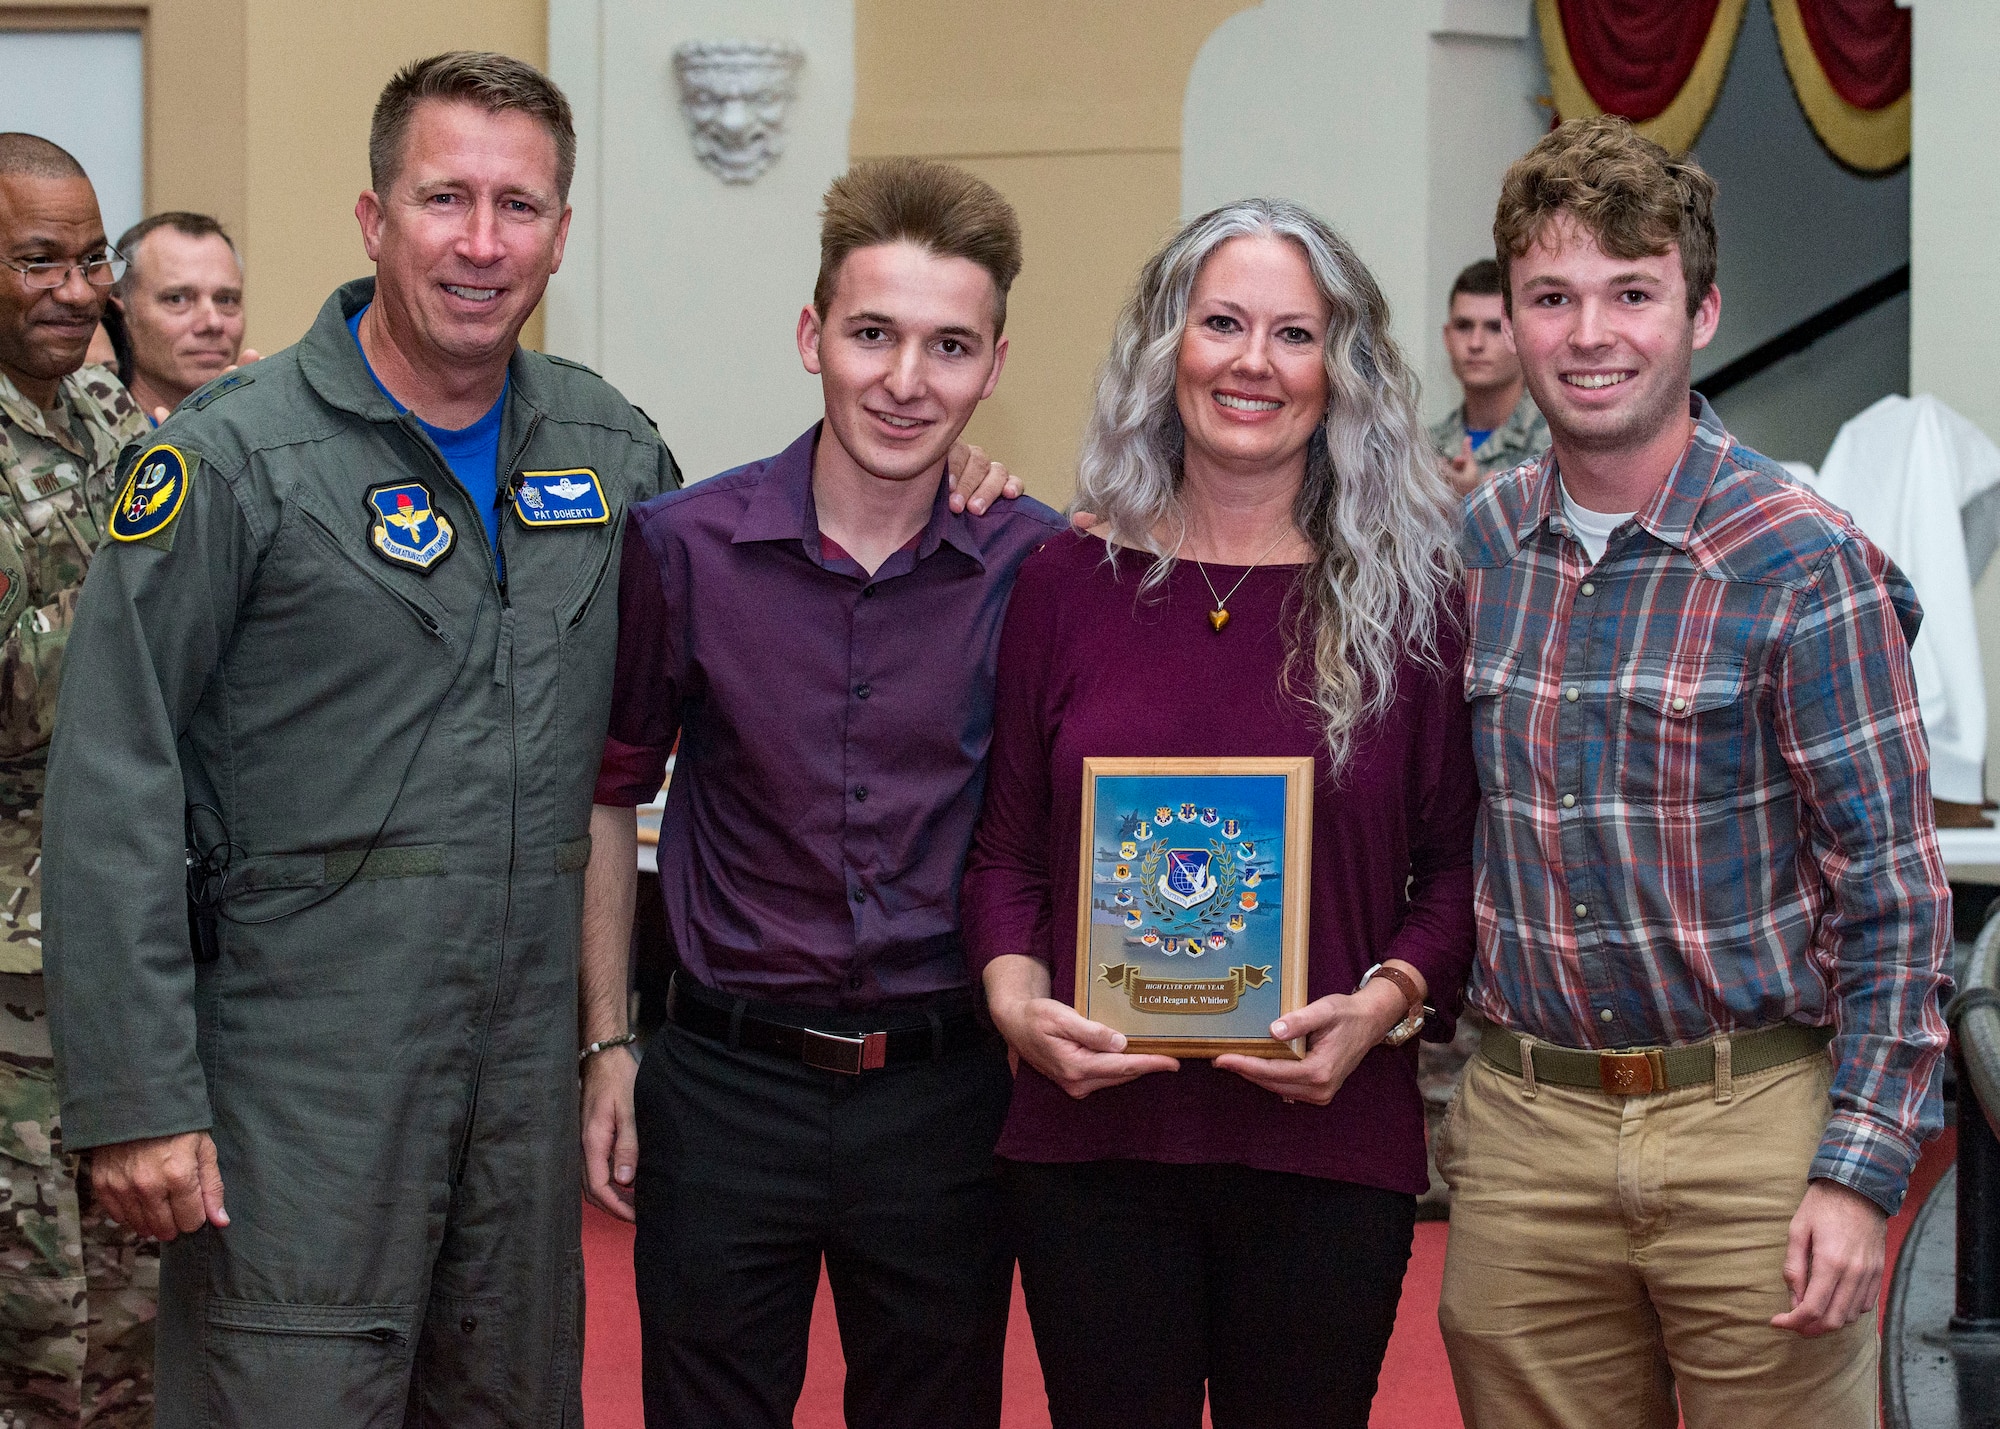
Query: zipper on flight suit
{"x": 502, "y": 661}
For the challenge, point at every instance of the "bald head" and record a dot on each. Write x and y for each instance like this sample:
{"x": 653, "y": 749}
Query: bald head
{"x": 29, "y": 156}
{"x": 48, "y": 216}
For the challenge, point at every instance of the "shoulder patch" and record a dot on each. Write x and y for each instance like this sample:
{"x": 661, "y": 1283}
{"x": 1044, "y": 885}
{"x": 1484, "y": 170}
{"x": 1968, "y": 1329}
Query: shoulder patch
{"x": 221, "y": 387}
{"x": 573, "y": 497}
{"x": 153, "y": 493}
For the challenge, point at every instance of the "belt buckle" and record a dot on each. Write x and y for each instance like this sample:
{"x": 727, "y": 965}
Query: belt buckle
{"x": 1632, "y": 1074}
{"x": 848, "y": 1055}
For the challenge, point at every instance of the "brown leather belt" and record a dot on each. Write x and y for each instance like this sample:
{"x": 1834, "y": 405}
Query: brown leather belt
{"x": 1637, "y": 1071}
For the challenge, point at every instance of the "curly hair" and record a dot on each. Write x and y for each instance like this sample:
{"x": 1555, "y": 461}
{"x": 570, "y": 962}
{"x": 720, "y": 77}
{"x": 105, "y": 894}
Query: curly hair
{"x": 1627, "y": 192}
{"x": 1373, "y": 506}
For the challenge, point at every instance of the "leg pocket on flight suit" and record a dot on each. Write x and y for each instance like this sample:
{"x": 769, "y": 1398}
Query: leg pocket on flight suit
{"x": 566, "y": 1367}
{"x": 306, "y": 1365}
{"x": 480, "y": 1360}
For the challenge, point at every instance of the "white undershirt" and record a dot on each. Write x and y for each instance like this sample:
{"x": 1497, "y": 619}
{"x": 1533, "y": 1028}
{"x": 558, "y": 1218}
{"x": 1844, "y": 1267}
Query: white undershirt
{"x": 1593, "y": 528}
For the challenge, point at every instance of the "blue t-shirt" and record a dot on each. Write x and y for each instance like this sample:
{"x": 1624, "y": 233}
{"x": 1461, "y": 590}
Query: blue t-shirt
{"x": 472, "y": 453}
{"x": 1478, "y": 439}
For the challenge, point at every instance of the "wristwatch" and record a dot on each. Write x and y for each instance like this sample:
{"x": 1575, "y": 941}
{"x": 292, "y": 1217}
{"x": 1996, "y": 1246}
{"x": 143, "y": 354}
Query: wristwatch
{"x": 1411, "y": 1025}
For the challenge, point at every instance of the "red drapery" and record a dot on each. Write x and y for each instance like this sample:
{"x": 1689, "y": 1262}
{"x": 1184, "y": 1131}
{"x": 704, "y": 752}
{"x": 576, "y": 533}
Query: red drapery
{"x": 1634, "y": 56}
{"x": 1863, "y": 47}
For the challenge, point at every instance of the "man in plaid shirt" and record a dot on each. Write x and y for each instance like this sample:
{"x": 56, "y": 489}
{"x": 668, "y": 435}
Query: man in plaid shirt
{"x": 1713, "y": 919}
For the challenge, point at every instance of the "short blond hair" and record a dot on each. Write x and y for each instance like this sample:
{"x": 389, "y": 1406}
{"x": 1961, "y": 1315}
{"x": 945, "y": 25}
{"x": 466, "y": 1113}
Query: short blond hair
{"x": 1627, "y": 192}
{"x": 938, "y": 207}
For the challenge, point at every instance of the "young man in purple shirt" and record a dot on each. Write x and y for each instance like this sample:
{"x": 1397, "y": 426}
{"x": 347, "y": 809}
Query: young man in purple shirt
{"x": 819, "y": 630}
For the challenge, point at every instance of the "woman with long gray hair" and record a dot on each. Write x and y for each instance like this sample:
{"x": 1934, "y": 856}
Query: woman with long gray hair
{"x": 1270, "y": 573}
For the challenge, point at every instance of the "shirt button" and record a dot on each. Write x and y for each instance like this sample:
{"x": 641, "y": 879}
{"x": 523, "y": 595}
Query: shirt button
{"x": 1572, "y": 694}
{"x": 1582, "y": 909}
{"x": 868, "y": 590}
{"x": 1569, "y": 801}
{"x": 862, "y": 692}
{"x": 1604, "y": 1014}
{"x": 854, "y": 981}
{"x": 860, "y": 796}
{"x": 859, "y": 896}
{"x": 1680, "y": 704}
{"x": 1589, "y": 589}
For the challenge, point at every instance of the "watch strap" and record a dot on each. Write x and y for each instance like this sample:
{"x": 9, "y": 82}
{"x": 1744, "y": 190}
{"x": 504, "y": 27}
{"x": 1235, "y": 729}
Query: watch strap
{"x": 1413, "y": 1001}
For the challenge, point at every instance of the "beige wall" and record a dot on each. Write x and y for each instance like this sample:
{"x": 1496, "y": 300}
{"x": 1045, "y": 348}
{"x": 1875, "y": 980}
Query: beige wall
{"x": 257, "y": 112}
{"x": 1072, "y": 108}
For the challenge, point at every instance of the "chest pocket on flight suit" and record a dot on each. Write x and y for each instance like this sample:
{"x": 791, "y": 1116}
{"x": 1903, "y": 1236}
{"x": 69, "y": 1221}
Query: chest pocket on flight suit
{"x": 1685, "y": 723}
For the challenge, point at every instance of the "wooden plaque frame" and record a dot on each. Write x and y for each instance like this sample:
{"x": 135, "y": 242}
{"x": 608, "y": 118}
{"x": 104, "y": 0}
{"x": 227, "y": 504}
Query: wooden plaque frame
{"x": 1294, "y": 875}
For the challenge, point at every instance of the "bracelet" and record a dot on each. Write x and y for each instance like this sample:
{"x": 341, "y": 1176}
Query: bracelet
{"x": 623, "y": 1039}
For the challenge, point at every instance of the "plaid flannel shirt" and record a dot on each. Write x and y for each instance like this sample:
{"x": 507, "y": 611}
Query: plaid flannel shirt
{"x": 1706, "y": 787}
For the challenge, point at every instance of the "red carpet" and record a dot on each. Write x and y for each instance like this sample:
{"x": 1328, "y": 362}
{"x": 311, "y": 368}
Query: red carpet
{"x": 1416, "y": 1381}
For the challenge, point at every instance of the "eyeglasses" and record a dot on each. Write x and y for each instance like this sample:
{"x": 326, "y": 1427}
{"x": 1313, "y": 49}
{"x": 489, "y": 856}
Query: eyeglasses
{"x": 100, "y": 270}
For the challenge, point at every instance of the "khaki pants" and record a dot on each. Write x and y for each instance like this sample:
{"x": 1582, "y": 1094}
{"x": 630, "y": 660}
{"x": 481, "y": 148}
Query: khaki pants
{"x": 1608, "y": 1251}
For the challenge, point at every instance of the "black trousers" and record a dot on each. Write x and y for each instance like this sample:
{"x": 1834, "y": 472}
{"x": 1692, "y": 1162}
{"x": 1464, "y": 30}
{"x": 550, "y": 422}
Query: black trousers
{"x": 752, "y": 1167}
{"x": 1147, "y": 1283}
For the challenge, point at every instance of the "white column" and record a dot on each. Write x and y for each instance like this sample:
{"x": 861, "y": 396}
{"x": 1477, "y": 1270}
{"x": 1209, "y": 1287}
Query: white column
{"x": 1954, "y": 285}
{"x": 1955, "y": 208}
{"x": 681, "y": 289}
{"x": 1393, "y": 122}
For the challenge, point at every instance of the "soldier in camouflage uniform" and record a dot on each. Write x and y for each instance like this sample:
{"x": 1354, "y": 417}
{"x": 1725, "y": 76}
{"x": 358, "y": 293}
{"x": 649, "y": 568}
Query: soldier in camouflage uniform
{"x": 77, "y": 1292}
{"x": 1497, "y": 426}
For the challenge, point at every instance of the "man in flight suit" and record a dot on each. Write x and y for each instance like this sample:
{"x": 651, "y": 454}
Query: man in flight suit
{"x": 76, "y": 1290}
{"x": 351, "y": 643}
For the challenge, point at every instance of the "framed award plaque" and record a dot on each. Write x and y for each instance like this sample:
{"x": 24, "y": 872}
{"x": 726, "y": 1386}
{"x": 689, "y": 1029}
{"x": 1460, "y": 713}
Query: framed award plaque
{"x": 1191, "y": 929}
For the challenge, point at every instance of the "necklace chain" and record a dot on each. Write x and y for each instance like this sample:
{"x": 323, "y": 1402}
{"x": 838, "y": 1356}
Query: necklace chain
{"x": 1219, "y": 617}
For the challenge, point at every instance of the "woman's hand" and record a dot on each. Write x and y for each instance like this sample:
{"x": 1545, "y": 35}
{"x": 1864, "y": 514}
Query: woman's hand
{"x": 1340, "y": 1030}
{"x": 1078, "y": 1055}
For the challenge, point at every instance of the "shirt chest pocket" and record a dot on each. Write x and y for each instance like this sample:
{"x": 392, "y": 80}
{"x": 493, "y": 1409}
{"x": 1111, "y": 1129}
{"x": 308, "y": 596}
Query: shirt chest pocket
{"x": 1499, "y": 729}
{"x": 1686, "y": 727}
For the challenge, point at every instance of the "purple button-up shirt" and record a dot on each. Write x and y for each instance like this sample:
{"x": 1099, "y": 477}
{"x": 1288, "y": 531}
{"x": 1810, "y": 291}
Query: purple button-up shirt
{"x": 833, "y": 730}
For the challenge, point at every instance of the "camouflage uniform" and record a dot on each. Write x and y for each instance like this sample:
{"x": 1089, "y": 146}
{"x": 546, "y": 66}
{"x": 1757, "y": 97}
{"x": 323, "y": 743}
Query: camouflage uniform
{"x": 77, "y": 1292}
{"x": 1522, "y": 437}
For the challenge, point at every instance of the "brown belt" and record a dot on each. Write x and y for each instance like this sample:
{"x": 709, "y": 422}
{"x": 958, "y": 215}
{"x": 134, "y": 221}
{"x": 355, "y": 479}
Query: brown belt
{"x": 1637, "y": 1071}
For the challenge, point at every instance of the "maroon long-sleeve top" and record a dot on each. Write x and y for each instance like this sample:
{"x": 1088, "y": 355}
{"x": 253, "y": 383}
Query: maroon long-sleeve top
{"x": 1089, "y": 667}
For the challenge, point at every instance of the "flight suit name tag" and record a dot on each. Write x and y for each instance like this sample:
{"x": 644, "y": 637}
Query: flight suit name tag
{"x": 408, "y": 530}
{"x": 561, "y": 498}
{"x": 152, "y": 494}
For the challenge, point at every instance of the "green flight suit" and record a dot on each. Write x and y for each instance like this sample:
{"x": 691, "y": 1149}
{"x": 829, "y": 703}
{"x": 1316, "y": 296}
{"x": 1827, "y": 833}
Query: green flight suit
{"x": 400, "y": 760}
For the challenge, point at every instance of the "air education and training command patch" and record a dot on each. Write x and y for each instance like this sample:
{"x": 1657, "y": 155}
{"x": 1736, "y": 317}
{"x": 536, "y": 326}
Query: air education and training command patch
{"x": 408, "y": 531}
{"x": 153, "y": 494}
{"x": 561, "y": 498}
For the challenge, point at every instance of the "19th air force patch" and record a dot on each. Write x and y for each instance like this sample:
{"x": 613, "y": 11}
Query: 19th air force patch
{"x": 561, "y": 498}
{"x": 152, "y": 496}
{"x": 407, "y": 531}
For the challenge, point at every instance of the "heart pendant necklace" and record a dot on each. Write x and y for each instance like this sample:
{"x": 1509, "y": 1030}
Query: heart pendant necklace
{"x": 1219, "y": 617}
